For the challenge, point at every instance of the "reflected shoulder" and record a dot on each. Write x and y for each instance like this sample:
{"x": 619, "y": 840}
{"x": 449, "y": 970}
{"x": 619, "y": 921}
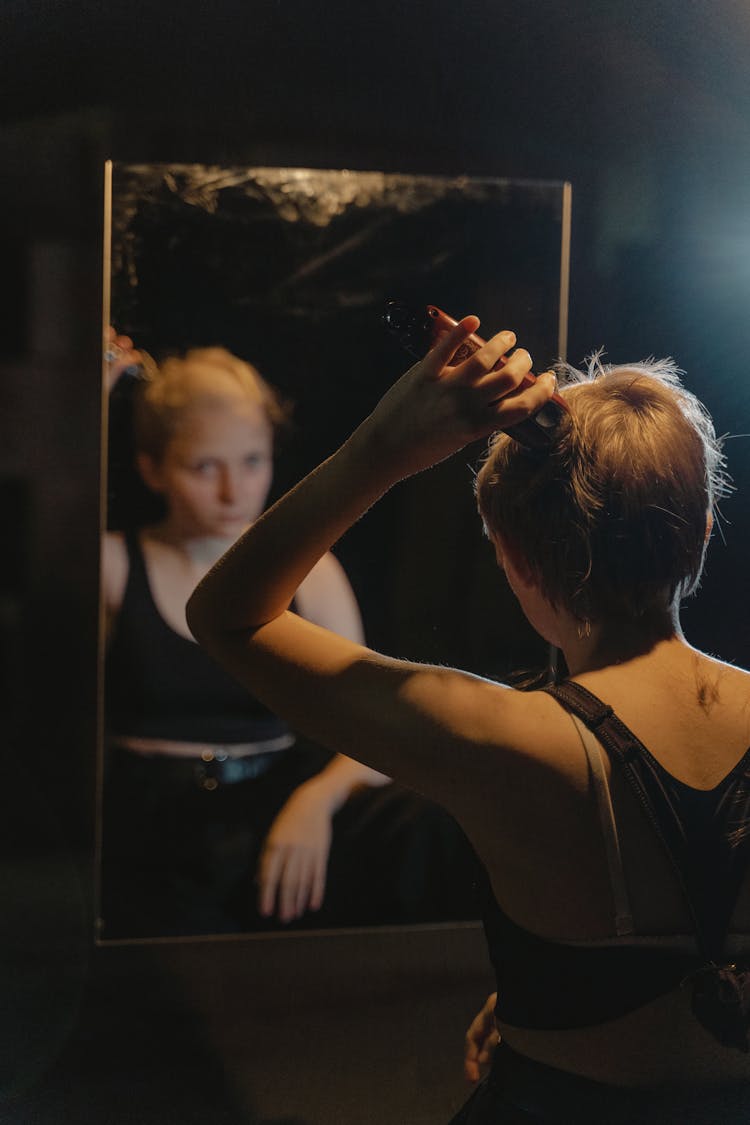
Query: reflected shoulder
{"x": 326, "y": 598}
{"x": 114, "y": 570}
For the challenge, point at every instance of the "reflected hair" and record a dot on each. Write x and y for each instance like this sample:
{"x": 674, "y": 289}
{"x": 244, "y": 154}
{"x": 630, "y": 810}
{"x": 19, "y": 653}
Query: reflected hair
{"x": 202, "y": 376}
{"x": 611, "y": 519}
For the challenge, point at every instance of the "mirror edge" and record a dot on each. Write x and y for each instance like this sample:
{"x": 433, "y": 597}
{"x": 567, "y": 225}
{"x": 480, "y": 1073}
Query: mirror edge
{"x": 101, "y": 622}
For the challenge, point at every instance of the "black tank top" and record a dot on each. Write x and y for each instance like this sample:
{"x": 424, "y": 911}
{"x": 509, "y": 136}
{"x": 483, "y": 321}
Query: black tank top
{"x": 162, "y": 685}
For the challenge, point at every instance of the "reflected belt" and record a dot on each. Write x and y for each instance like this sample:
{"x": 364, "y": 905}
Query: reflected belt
{"x": 207, "y": 766}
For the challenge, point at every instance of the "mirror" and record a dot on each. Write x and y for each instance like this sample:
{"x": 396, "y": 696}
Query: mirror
{"x": 291, "y": 269}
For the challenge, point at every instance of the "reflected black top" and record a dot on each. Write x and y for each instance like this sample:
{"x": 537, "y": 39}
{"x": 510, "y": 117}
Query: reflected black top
{"x": 162, "y": 685}
{"x": 546, "y": 984}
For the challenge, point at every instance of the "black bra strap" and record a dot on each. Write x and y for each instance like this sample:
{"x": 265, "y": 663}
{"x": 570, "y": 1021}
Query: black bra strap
{"x": 610, "y": 835}
{"x": 136, "y": 560}
{"x": 720, "y": 991}
{"x": 623, "y": 747}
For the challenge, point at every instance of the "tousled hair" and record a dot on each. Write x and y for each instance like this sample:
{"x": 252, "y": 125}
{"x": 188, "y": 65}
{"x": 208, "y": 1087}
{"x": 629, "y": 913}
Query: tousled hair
{"x": 611, "y": 519}
{"x": 177, "y": 383}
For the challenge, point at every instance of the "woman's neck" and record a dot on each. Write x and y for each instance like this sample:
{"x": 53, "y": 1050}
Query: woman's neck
{"x": 607, "y": 643}
{"x": 200, "y": 551}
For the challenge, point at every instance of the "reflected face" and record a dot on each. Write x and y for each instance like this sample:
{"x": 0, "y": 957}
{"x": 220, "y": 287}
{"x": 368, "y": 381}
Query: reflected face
{"x": 216, "y": 470}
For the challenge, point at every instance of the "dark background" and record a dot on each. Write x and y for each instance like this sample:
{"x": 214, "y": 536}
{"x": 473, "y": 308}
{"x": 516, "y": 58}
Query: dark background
{"x": 644, "y": 107}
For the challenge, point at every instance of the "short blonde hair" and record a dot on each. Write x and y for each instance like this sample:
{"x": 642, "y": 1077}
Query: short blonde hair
{"x": 177, "y": 383}
{"x": 612, "y": 518}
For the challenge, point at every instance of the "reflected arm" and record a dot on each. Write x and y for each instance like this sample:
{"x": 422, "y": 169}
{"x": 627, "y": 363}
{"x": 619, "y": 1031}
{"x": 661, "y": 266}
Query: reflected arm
{"x": 114, "y": 576}
{"x": 326, "y": 598}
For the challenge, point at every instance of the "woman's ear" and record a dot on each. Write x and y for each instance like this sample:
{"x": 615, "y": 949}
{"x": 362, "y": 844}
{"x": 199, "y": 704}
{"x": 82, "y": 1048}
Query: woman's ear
{"x": 150, "y": 471}
{"x": 709, "y": 525}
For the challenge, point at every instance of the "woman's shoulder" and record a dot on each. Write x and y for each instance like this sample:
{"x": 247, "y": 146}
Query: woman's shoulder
{"x": 327, "y": 574}
{"x": 530, "y": 729}
{"x": 678, "y": 675}
{"x": 115, "y": 567}
{"x": 691, "y": 711}
{"x": 723, "y": 689}
{"x": 709, "y": 683}
{"x": 716, "y": 668}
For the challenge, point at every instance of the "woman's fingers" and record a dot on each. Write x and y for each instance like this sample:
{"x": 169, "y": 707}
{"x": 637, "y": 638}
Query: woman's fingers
{"x": 318, "y": 890}
{"x": 489, "y": 368}
{"x": 304, "y": 876}
{"x": 527, "y": 399}
{"x": 495, "y": 387}
{"x": 490, "y": 373}
{"x": 481, "y": 1039}
{"x": 446, "y": 347}
{"x": 472, "y": 1072}
{"x": 292, "y": 881}
{"x": 505, "y": 379}
{"x": 489, "y": 358}
{"x": 269, "y": 874}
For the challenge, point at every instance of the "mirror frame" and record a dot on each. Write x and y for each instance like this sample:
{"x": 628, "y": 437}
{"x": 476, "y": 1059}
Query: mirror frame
{"x": 565, "y": 189}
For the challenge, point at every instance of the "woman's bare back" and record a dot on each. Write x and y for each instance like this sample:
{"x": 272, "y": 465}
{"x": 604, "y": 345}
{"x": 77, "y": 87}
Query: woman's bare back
{"x": 547, "y": 865}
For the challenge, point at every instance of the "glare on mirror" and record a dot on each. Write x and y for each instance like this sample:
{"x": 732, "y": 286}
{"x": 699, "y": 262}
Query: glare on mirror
{"x": 248, "y": 340}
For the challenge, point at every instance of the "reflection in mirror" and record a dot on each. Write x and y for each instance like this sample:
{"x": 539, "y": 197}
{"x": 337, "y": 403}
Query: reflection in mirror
{"x": 235, "y": 292}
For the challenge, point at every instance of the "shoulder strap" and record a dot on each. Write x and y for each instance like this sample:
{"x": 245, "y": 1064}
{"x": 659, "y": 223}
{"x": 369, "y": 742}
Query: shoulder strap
{"x": 623, "y": 914}
{"x": 580, "y": 701}
{"x": 654, "y": 788}
{"x": 137, "y": 585}
{"x": 133, "y": 548}
{"x": 720, "y": 991}
{"x": 623, "y": 746}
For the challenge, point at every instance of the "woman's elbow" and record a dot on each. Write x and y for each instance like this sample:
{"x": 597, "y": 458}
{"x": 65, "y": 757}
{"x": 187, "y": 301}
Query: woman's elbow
{"x": 208, "y": 625}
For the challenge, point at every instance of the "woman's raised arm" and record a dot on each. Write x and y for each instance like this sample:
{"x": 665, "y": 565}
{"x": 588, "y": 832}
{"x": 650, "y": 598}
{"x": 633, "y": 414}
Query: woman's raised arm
{"x": 338, "y": 692}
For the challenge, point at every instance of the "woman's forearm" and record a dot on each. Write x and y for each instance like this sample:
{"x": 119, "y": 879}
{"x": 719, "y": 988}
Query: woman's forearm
{"x": 338, "y": 780}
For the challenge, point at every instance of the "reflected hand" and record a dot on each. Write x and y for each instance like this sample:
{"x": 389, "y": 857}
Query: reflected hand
{"x": 293, "y": 864}
{"x": 481, "y": 1040}
{"x": 119, "y": 355}
{"x": 435, "y": 409}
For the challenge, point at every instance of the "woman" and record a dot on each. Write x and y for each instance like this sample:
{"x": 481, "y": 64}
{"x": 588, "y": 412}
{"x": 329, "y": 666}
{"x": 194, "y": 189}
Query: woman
{"x": 595, "y": 899}
{"x": 206, "y": 791}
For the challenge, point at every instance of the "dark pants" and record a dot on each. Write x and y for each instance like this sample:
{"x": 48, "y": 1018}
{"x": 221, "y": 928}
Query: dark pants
{"x": 181, "y": 859}
{"x": 518, "y": 1091}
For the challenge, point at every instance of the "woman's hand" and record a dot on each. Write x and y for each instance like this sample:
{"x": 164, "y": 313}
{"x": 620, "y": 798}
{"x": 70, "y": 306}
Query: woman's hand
{"x": 119, "y": 355}
{"x": 293, "y": 864}
{"x": 436, "y": 409}
{"x": 481, "y": 1040}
